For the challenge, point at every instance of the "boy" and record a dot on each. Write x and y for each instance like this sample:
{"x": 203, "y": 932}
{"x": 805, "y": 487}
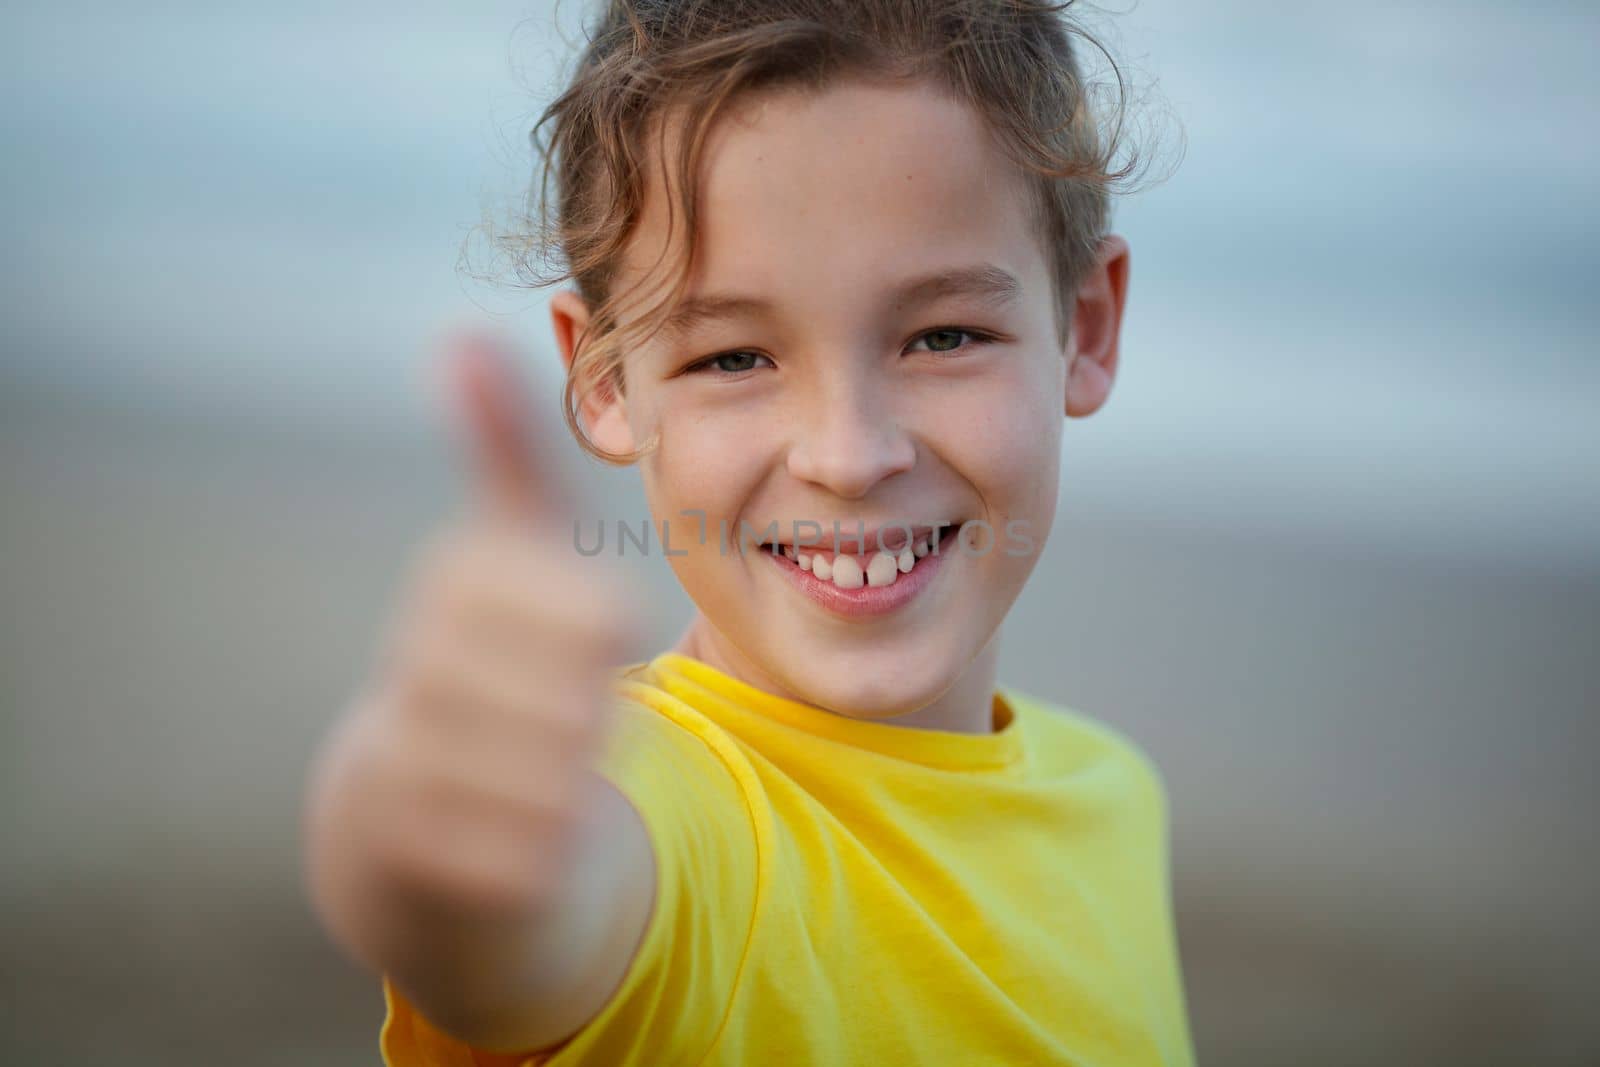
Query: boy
{"x": 816, "y": 831}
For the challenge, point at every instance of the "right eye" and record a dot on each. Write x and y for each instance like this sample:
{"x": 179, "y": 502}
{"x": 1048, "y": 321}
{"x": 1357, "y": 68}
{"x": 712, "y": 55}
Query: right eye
{"x": 727, "y": 364}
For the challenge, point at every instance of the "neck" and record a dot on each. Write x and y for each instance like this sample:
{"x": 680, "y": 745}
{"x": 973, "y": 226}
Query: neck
{"x": 965, "y": 708}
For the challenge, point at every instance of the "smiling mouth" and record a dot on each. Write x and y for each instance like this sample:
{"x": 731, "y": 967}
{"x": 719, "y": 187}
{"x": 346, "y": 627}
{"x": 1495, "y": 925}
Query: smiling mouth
{"x": 848, "y": 570}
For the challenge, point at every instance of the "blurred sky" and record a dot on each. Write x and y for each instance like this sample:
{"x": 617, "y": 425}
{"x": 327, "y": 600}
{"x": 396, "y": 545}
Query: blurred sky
{"x": 1359, "y": 312}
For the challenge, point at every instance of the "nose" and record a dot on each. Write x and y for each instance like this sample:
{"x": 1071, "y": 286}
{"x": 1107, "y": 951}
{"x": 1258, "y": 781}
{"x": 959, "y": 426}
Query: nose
{"x": 850, "y": 442}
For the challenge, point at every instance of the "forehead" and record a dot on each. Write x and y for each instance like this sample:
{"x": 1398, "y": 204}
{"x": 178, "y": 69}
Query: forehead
{"x": 830, "y": 195}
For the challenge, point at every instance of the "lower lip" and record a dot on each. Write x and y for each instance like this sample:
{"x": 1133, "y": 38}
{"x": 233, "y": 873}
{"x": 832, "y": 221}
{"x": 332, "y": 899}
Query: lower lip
{"x": 868, "y": 600}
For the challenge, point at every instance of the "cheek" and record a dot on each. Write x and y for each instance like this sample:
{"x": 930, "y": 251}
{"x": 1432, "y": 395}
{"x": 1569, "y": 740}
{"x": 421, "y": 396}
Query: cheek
{"x": 1004, "y": 436}
{"x": 700, "y": 464}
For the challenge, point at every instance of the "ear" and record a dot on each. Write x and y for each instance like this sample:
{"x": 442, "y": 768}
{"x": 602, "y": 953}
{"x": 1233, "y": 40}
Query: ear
{"x": 1096, "y": 327}
{"x": 603, "y": 411}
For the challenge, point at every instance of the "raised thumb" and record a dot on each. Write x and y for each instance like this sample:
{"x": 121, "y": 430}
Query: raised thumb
{"x": 510, "y": 477}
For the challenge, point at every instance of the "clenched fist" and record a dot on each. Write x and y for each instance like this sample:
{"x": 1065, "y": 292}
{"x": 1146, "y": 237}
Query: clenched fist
{"x": 456, "y": 833}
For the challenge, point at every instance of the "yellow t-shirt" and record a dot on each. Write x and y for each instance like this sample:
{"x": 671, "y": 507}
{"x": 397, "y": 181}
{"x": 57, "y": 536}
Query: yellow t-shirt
{"x": 838, "y": 892}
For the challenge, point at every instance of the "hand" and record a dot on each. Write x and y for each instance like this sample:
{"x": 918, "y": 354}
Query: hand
{"x": 466, "y": 767}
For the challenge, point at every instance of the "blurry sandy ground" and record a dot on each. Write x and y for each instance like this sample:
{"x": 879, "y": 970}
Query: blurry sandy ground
{"x": 1380, "y": 768}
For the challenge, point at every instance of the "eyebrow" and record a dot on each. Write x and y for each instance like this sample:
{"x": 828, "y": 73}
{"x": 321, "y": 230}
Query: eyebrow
{"x": 984, "y": 282}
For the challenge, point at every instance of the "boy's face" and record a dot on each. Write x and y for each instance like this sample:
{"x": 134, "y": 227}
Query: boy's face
{"x": 846, "y": 394}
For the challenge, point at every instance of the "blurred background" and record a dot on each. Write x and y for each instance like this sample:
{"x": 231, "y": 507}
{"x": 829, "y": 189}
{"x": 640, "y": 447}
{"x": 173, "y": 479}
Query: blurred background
{"x": 1330, "y": 554}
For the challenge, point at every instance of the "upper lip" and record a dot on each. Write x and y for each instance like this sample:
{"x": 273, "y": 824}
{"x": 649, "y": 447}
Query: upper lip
{"x": 893, "y": 536}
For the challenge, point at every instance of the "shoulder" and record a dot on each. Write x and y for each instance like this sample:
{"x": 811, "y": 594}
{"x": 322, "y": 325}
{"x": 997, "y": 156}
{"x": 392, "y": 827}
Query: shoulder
{"x": 1065, "y": 738}
{"x": 653, "y": 735}
{"x": 673, "y": 762}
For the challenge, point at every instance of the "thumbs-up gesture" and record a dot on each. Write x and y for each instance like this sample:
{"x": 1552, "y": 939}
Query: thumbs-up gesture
{"x": 449, "y": 811}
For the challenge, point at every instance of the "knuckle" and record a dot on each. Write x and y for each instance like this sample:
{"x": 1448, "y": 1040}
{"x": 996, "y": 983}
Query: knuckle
{"x": 424, "y": 691}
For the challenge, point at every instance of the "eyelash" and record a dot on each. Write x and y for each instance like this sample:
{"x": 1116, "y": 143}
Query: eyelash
{"x": 701, "y": 365}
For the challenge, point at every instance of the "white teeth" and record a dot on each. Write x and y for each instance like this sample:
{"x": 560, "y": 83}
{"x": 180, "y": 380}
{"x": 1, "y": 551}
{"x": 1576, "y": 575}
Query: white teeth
{"x": 881, "y": 570}
{"x": 847, "y": 572}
